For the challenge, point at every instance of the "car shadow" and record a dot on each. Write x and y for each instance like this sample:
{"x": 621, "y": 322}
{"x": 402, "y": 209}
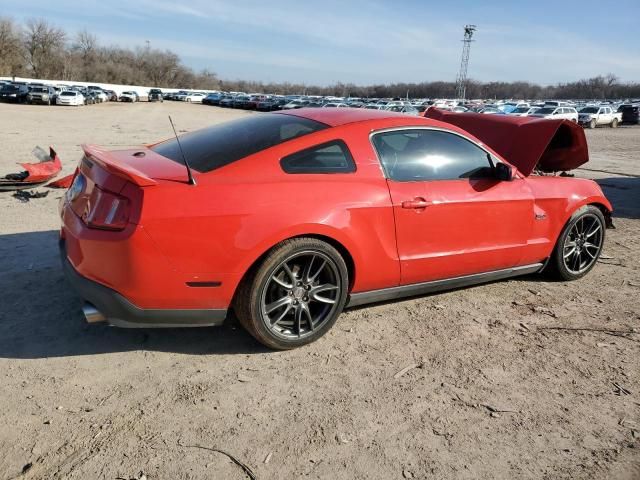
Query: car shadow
{"x": 41, "y": 314}
{"x": 624, "y": 195}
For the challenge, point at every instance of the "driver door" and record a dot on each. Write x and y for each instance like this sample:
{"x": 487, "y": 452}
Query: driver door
{"x": 453, "y": 216}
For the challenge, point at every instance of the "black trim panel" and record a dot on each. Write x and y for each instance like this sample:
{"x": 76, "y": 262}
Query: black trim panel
{"x": 122, "y": 313}
{"x": 386, "y": 294}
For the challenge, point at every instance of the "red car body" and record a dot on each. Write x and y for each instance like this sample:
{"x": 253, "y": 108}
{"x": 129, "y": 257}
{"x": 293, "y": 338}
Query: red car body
{"x": 174, "y": 253}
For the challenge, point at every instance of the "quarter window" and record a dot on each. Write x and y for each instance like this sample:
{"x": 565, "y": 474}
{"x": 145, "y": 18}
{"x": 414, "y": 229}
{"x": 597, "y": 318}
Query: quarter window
{"x": 330, "y": 157}
{"x": 419, "y": 155}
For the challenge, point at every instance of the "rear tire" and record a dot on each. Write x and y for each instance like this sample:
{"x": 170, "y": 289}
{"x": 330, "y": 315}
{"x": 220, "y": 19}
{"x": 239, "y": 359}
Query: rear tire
{"x": 579, "y": 244}
{"x": 614, "y": 123}
{"x": 295, "y": 295}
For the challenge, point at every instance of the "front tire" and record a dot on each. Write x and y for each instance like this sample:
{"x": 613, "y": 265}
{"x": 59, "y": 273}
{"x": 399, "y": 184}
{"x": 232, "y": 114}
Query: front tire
{"x": 592, "y": 124}
{"x": 295, "y": 295}
{"x": 579, "y": 245}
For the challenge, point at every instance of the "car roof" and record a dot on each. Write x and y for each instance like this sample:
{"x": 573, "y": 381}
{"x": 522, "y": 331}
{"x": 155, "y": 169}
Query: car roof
{"x": 342, "y": 116}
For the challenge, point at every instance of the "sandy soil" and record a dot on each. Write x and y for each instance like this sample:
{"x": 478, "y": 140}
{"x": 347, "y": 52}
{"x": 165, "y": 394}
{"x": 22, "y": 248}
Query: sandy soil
{"x": 497, "y": 393}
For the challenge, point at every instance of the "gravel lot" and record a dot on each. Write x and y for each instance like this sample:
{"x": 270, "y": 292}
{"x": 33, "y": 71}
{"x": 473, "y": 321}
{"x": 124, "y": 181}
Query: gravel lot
{"x": 497, "y": 391}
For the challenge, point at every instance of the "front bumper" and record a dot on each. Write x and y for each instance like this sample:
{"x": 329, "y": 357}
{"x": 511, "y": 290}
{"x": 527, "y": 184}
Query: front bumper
{"x": 120, "y": 312}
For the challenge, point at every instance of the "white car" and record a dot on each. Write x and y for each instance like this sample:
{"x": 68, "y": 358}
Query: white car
{"x": 335, "y": 105}
{"x": 593, "y": 116}
{"x": 195, "y": 97}
{"x": 128, "y": 97}
{"x": 564, "y": 113}
{"x": 70, "y": 97}
{"x": 524, "y": 111}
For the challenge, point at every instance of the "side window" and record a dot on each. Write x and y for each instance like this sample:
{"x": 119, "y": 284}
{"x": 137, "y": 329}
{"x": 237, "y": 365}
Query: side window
{"x": 330, "y": 157}
{"x": 419, "y": 155}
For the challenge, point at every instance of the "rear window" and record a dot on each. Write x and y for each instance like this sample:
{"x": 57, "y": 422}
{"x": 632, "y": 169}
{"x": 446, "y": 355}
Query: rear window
{"x": 222, "y": 144}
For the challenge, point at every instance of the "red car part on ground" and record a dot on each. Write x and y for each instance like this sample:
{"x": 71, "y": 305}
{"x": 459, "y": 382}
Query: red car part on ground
{"x": 34, "y": 174}
{"x": 147, "y": 249}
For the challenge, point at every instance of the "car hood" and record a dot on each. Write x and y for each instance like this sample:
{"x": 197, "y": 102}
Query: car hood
{"x": 529, "y": 143}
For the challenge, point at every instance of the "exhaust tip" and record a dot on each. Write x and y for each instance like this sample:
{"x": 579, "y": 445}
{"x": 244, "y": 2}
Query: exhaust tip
{"x": 91, "y": 314}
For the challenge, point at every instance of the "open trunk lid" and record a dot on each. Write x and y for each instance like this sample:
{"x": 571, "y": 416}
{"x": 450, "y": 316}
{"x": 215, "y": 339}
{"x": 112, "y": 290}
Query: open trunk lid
{"x": 527, "y": 143}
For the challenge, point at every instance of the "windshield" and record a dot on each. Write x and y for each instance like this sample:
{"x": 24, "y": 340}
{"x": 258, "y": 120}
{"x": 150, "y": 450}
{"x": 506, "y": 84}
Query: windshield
{"x": 546, "y": 111}
{"x": 589, "y": 110}
{"x": 222, "y": 144}
{"x": 68, "y": 94}
{"x": 521, "y": 110}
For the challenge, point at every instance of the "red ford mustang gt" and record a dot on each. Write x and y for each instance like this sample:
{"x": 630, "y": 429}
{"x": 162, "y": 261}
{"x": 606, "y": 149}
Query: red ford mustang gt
{"x": 292, "y": 216}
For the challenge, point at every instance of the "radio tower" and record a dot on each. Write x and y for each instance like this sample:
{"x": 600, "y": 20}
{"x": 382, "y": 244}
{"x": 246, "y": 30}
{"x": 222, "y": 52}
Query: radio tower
{"x": 461, "y": 81}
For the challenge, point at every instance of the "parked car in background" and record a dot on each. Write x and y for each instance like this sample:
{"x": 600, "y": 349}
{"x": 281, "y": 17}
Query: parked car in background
{"x": 212, "y": 99}
{"x": 254, "y": 100}
{"x": 631, "y": 114}
{"x": 14, "y": 93}
{"x": 128, "y": 96}
{"x": 227, "y": 101}
{"x": 111, "y": 95}
{"x": 100, "y": 96}
{"x": 335, "y": 105}
{"x": 287, "y": 273}
{"x": 70, "y": 97}
{"x": 565, "y": 113}
{"x": 241, "y": 101}
{"x": 155, "y": 95}
{"x": 91, "y": 97}
{"x": 194, "y": 97}
{"x": 490, "y": 111}
{"x": 42, "y": 96}
{"x": 295, "y": 104}
{"x": 594, "y": 116}
{"x": 271, "y": 104}
{"x": 408, "y": 109}
{"x": 523, "y": 111}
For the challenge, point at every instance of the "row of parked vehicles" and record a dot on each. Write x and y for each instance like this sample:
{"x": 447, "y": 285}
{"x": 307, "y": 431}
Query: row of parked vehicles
{"x": 590, "y": 115}
{"x": 74, "y": 95}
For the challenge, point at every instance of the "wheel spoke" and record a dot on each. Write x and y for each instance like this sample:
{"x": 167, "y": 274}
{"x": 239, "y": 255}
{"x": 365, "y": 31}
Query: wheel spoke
{"x": 576, "y": 261}
{"x": 281, "y": 282}
{"x": 593, "y": 230}
{"x": 314, "y": 293}
{"x": 290, "y": 274}
{"x": 298, "y": 313}
{"x": 277, "y": 304}
{"x": 282, "y": 315}
{"x": 309, "y": 318}
{"x": 306, "y": 274}
{"x": 315, "y": 275}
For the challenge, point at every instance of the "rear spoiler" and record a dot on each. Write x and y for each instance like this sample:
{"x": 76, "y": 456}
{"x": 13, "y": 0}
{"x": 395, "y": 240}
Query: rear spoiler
{"x": 118, "y": 168}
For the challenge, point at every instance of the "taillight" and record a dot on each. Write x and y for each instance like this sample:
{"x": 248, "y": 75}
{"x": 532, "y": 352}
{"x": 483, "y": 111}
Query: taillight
{"x": 106, "y": 210}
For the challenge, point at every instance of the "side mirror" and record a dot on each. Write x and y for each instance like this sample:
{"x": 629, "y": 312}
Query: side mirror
{"x": 505, "y": 172}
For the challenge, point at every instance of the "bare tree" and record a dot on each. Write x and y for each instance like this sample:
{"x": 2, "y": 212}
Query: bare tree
{"x": 10, "y": 48}
{"x": 43, "y": 47}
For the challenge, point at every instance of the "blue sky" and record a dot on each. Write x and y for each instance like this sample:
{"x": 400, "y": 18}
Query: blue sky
{"x": 365, "y": 42}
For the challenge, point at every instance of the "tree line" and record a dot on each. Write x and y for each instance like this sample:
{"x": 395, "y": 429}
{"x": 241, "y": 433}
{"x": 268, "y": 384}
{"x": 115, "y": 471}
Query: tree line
{"x": 38, "y": 49}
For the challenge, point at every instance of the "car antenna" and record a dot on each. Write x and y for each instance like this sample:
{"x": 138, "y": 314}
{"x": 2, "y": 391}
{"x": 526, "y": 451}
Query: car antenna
{"x": 192, "y": 181}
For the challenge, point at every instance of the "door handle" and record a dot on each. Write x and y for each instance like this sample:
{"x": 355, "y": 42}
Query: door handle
{"x": 416, "y": 203}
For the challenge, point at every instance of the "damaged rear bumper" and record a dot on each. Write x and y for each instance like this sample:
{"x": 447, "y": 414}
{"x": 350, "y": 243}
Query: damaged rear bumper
{"x": 105, "y": 304}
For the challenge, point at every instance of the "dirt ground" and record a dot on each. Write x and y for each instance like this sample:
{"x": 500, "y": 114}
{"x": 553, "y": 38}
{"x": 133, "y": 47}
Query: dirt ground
{"x": 497, "y": 391}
